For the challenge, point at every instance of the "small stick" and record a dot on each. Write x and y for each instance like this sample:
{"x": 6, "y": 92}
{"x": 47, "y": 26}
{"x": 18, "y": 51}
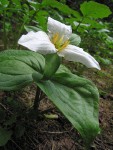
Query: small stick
{"x": 57, "y": 132}
{"x": 5, "y": 108}
{"x": 16, "y": 144}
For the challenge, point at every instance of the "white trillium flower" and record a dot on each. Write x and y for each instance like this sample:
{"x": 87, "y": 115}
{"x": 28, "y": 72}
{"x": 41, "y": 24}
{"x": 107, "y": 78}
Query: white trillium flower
{"x": 57, "y": 41}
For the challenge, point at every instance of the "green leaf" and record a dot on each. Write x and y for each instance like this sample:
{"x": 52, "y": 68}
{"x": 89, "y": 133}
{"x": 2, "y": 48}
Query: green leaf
{"x": 59, "y": 6}
{"x": 93, "y": 23}
{"x": 52, "y": 63}
{"x": 63, "y": 69}
{"x": 34, "y": 5}
{"x": 109, "y": 40}
{"x": 95, "y": 10}
{"x": 17, "y": 4}
{"x": 104, "y": 61}
{"x": 78, "y": 99}
{"x": 32, "y": 28}
{"x": 37, "y": 76}
{"x": 4, "y": 3}
{"x": 75, "y": 39}
{"x": 41, "y": 18}
{"x": 4, "y": 136}
{"x": 17, "y": 67}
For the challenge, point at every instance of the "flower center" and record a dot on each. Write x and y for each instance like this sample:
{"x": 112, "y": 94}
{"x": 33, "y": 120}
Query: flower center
{"x": 58, "y": 42}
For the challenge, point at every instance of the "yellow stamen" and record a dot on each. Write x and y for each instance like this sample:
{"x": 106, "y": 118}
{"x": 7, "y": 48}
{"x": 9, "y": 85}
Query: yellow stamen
{"x": 58, "y": 42}
{"x": 55, "y": 38}
{"x": 64, "y": 45}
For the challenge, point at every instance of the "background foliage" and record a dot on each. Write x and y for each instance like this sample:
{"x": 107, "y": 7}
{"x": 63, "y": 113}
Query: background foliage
{"x": 90, "y": 20}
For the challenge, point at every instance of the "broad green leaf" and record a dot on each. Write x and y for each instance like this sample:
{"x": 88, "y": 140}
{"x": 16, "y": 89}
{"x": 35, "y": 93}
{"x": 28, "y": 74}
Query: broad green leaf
{"x": 61, "y": 7}
{"x": 37, "y": 76}
{"x": 75, "y": 39}
{"x": 52, "y": 63}
{"x": 5, "y": 136}
{"x": 77, "y": 98}
{"x": 95, "y": 10}
{"x": 63, "y": 69}
{"x": 17, "y": 67}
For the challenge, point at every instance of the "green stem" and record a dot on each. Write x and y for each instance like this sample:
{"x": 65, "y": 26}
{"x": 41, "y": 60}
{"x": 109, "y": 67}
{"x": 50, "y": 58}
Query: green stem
{"x": 20, "y": 31}
{"x": 37, "y": 99}
{"x": 32, "y": 17}
{"x": 22, "y": 27}
{"x": 79, "y": 23}
{"x": 4, "y": 30}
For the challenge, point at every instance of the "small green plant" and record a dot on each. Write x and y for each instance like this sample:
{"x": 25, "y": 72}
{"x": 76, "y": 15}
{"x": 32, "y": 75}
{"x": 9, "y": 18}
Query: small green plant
{"x": 10, "y": 125}
{"x": 76, "y": 97}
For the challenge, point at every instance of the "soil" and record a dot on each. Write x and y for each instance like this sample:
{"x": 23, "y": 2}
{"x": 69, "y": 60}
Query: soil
{"x": 58, "y": 133}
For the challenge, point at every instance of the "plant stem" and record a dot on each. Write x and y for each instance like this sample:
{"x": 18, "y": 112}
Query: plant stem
{"x": 20, "y": 31}
{"x": 4, "y": 30}
{"x": 79, "y": 23}
{"x": 37, "y": 99}
{"x": 22, "y": 26}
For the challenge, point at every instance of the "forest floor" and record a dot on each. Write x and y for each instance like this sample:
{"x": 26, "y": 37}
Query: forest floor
{"x": 58, "y": 134}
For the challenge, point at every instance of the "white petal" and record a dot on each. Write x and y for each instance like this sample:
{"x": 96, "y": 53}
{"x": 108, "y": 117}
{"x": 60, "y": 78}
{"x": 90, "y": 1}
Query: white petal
{"x": 38, "y": 42}
{"x": 74, "y": 53}
{"x": 55, "y": 26}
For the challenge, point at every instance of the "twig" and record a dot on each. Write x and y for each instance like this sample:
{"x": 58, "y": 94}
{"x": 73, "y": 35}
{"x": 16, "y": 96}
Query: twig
{"x": 53, "y": 145}
{"x": 30, "y": 139}
{"x": 16, "y": 144}
{"x": 5, "y": 108}
{"x": 56, "y": 132}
